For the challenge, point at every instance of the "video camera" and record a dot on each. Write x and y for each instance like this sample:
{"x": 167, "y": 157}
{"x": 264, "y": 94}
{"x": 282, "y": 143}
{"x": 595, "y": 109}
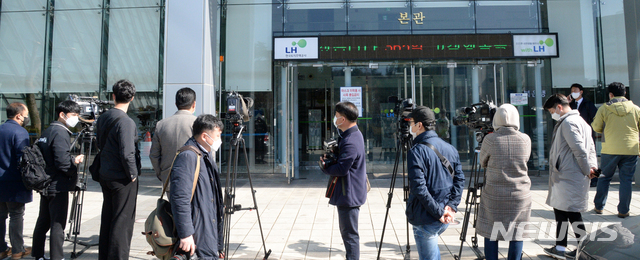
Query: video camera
{"x": 91, "y": 108}
{"x": 332, "y": 151}
{"x": 478, "y": 117}
{"x": 238, "y": 107}
{"x": 404, "y": 107}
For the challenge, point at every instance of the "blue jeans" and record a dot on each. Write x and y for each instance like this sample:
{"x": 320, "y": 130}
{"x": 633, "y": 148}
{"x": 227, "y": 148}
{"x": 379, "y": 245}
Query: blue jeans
{"x": 348, "y": 221}
{"x": 491, "y": 249}
{"x": 427, "y": 239}
{"x": 626, "y": 165}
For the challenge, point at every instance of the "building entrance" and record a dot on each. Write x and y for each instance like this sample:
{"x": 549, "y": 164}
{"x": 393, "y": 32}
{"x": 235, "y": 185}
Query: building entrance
{"x": 311, "y": 90}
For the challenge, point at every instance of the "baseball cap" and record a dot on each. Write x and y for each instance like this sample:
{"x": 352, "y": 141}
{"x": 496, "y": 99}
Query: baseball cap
{"x": 422, "y": 114}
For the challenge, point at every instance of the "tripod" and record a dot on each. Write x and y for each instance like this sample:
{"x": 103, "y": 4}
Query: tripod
{"x": 86, "y": 138}
{"x": 404, "y": 144}
{"x": 230, "y": 189}
{"x": 474, "y": 191}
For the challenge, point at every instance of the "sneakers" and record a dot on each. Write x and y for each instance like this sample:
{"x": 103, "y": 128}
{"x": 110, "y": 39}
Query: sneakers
{"x": 620, "y": 215}
{"x": 553, "y": 252}
{"x": 27, "y": 252}
{"x": 570, "y": 255}
{"x": 6, "y": 253}
{"x": 597, "y": 211}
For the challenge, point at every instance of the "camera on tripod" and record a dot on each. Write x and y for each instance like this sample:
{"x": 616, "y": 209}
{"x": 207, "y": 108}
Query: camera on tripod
{"x": 332, "y": 151}
{"x": 238, "y": 107}
{"x": 478, "y": 117}
{"x": 91, "y": 108}
{"x": 404, "y": 107}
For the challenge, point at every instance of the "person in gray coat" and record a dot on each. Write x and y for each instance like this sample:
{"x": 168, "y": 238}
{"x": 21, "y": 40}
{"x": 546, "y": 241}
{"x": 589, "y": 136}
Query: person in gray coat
{"x": 506, "y": 199}
{"x": 171, "y": 133}
{"x": 572, "y": 163}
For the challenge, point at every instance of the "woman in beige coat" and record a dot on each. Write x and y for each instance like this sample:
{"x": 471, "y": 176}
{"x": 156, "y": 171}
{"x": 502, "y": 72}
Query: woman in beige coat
{"x": 506, "y": 201}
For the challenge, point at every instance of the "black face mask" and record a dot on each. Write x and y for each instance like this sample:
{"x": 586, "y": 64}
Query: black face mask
{"x": 26, "y": 121}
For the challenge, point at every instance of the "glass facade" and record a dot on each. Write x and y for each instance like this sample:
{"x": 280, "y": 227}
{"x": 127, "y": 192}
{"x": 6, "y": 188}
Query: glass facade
{"x": 51, "y": 49}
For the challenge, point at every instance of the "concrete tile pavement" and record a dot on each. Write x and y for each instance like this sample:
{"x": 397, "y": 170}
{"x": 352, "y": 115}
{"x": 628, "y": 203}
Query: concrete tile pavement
{"x": 298, "y": 223}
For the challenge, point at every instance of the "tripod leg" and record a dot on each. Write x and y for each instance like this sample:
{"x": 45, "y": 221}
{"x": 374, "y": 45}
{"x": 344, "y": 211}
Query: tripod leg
{"x": 255, "y": 202}
{"x": 389, "y": 198}
{"x": 228, "y": 204}
{"x": 405, "y": 188}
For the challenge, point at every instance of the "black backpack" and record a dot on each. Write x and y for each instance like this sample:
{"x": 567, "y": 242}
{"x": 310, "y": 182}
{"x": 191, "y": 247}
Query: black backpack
{"x": 32, "y": 168}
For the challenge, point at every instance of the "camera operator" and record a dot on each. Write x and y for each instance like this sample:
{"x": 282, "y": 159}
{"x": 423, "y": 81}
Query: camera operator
{"x": 435, "y": 192}
{"x": 55, "y": 144}
{"x": 119, "y": 170}
{"x": 351, "y": 187}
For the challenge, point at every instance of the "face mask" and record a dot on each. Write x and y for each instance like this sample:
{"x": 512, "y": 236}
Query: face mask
{"x": 216, "y": 144}
{"x": 555, "y": 116}
{"x": 575, "y": 95}
{"x": 335, "y": 120}
{"x": 414, "y": 134}
{"x": 72, "y": 121}
{"x": 26, "y": 121}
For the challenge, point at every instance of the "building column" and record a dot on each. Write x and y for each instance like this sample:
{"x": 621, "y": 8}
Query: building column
{"x": 632, "y": 25}
{"x": 190, "y": 44}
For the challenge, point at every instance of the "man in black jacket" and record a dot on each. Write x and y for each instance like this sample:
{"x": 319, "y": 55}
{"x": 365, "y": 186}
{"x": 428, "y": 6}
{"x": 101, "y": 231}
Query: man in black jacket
{"x": 199, "y": 222}
{"x": 55, "y": 144}
{"x": 587, "y": 111}
{"x": 119, "y": 170}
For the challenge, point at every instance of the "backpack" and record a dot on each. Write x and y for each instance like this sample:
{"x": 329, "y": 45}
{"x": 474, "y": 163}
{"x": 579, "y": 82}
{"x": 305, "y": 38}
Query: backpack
{"x": 32, "y": 169}
{"x": 159, "y": 228}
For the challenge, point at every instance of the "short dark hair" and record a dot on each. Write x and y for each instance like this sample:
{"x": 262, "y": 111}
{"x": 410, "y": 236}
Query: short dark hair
{"x": 617, "y": 89}
{"x": 556, "y": 99}
{"x": 348, "y": 109}
{"x": 67, "y": 106}
{"x": 576, "y": 85}
{"x": 124, "y": 91}
{"x": 206, "y": 122}
{"x": 15, "y": 109}
{"x": 185, "y": 98}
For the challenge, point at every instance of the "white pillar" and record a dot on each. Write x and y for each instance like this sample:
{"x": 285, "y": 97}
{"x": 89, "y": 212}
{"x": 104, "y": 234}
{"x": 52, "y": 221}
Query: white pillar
{"x": 189, "y": 51}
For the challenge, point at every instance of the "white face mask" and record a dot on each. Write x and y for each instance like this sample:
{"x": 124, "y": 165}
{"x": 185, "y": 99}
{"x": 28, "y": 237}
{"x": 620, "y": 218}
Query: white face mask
{"x": 575, "y": 95}
{"x": 335, "y": 120}
{"x": 72, "y": 121}
{"x": 555, "y": 116}
{"x": 216, "y": 144}
{"x": 414, "y": 134}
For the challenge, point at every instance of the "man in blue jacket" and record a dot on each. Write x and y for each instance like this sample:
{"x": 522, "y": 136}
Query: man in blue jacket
{"x": 351, "y": 188}
{"x": 435, "y": 192}
{"x": 199, "y": 222}
{"x": 13, "y": 194}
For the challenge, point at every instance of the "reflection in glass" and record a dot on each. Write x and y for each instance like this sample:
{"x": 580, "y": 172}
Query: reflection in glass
{"x": 21, "y": 51}
{"x": 133, "y": 47}
{"x": 22, "y": 5}
{"x": 75, "y": 61}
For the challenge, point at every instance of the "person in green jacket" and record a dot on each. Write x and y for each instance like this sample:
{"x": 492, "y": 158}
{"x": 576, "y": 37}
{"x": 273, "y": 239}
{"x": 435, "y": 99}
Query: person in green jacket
{"x": 619, "y": 119}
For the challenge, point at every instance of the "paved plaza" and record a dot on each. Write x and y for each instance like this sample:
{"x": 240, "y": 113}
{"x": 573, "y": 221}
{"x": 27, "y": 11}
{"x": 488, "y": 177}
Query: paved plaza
{"x": 298, "y": 223}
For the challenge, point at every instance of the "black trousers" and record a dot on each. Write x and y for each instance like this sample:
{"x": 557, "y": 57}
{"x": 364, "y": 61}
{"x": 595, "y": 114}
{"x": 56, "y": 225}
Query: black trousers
{"x": 118, "y": 217}
{"x": 52, "y": 216}
{"x": 563, "y": 218}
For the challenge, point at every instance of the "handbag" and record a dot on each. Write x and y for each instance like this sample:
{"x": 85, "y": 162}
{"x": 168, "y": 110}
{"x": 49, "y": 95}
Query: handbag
{"x": 94, "y": 168}
{"x": 159, "y": 228}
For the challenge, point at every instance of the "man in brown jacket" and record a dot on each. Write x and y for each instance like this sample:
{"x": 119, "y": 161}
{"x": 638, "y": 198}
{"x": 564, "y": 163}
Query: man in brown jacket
{"x": 172, "y": 133}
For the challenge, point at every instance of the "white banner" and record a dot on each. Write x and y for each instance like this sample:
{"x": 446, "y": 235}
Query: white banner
{"x": 295, "y": 48}
{"x": 353, "y": 95}
{"x": 535, "y": 45}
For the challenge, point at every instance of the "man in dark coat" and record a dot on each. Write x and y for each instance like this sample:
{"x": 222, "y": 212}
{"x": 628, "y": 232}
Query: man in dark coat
{"x": 119, "y": 170}
{"x": 13, "y": 194}
{"x": 351, "y": 188}
{"x": 435, "y": 193}
{"x": 587, "y": 111}
{"x": 199, "y": 221}
{"x": 55, "y": 144}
